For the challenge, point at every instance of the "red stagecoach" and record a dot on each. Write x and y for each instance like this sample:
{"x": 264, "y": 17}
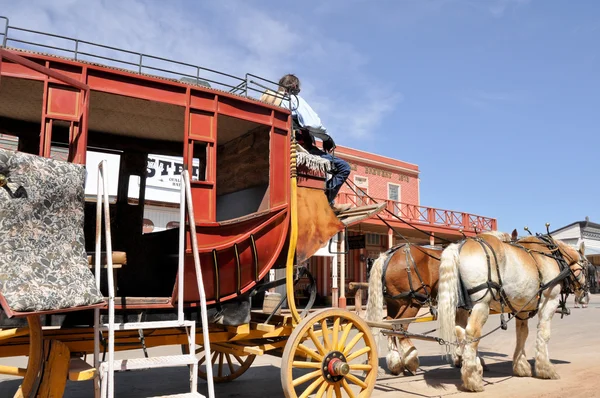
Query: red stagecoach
{"x": 251, "y": 201}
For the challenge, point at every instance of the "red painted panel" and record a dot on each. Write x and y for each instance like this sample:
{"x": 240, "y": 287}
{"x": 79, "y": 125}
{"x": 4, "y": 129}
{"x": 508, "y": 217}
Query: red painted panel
{"x": 135, "y": 87}
{"x": 16, "y": 70}
{"x": 281, "y": 120}
{"x": 202, "y": 126}
{"x": 269, "y": 240}
{"x": 203, "y": 198}
{"x": 280, "y": 167}
{"x": 63, "y": 102}
{"x": 71, "y": 71}
{"x": 244, "y": 110}
{"x": 203, "y": 101}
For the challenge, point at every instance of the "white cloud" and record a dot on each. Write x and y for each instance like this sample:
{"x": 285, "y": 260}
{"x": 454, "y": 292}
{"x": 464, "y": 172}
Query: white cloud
{"x": 231, "y": 36}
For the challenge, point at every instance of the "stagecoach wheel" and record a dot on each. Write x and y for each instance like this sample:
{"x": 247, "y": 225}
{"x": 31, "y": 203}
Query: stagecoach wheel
{"x": 227, "y": 366}
{"x": 331, "y": 353}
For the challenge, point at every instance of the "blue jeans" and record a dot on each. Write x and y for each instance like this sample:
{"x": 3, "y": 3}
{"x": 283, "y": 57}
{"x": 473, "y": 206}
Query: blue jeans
{"x": 340, "y": 173}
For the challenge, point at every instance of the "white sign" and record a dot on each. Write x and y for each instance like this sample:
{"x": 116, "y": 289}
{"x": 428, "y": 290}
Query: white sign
{"x": 165, "y": 171}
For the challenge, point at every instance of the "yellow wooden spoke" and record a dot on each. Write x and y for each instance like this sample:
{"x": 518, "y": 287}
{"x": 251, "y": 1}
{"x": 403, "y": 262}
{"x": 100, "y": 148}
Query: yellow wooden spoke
{"x": 358, "y": 353}
{"x": 307, "y": 377}
{"x": 345, "y": 334}
{"x": 240, "y": 361}
{"x": 231, "y": 368}
{"x": 338, "y": 392}
{"x": 336, "y": 333}
{"x": 360, "y": 366}
{"x": 312, "y": 387}
{"x": 356, "y": 380}
{"x": 347, "y": 388}
{"x": 325, "y": 332}
{"x": 322, "y": 389}
{"x": 330, "y": 391}
{"x": 311, "y": 353}
{"x": 316, "y": 341}
{"x": 353, "y": 342}
{"x": 221, "y": 364}
{"x": 306, "y": 365}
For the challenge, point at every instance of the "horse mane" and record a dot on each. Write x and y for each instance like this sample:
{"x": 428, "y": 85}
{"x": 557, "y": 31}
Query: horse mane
{"x": 503, "y": 236}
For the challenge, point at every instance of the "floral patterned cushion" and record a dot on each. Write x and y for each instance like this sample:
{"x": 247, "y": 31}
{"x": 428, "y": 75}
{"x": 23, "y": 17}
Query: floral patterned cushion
{"x": 43, "y": 263}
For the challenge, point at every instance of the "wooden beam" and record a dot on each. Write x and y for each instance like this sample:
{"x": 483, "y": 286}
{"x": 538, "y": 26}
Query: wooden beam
{"x": 17, "y": 59}
{"x": 79, "y": 370}
{"x": 56, "y": 370}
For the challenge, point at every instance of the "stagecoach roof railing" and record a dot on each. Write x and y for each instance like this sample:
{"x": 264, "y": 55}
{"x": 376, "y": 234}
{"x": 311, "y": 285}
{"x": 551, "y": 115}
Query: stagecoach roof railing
{"x": 139, "y": 62}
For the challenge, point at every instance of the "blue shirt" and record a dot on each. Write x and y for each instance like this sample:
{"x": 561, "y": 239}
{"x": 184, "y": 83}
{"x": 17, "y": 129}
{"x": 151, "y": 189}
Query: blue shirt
{"x": 307, "y": 117}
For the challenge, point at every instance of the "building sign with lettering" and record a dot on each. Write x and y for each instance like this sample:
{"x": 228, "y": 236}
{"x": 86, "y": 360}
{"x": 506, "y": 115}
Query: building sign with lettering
{"x": 165, "y": 171}
{"x": 380, "y": 172}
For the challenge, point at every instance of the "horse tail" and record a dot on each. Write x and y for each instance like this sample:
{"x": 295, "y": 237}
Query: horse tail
{"x": 448, "y": 293}
{"x": 375, "y": 293}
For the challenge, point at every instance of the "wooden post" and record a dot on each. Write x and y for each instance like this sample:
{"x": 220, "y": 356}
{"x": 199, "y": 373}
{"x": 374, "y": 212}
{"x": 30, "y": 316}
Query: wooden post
{"x": 358, "y": 302}
{"x": 342, "y": 301}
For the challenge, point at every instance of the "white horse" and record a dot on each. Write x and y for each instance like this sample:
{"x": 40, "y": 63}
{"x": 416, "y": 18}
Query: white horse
{"x": 521, "y": 275}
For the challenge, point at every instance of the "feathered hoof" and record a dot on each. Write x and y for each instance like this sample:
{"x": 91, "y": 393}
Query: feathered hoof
{"x": 473, "y": 383}
{"x": 522, "y": 369}
{"x": 411, "y": 361}
{"x": 394, "y": 362}
{"x": 546, "y": 372}
{"x": 472, "y": 376}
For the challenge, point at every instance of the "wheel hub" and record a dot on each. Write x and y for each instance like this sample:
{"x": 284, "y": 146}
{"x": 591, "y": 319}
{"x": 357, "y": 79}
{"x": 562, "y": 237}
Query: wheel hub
{"x": 335, "y": 367}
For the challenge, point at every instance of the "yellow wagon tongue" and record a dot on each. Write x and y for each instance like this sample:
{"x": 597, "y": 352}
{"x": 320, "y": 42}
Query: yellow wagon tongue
{"x": 356, "y": 214}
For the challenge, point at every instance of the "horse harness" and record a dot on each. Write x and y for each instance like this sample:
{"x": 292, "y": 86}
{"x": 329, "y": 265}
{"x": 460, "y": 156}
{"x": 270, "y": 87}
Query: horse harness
{"x": 412, "y": 295}
{"x": 491, "y": 285}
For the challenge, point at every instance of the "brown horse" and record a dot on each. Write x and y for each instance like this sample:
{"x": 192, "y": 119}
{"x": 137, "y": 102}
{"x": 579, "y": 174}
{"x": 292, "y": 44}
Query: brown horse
{"x": 406, "y": 277}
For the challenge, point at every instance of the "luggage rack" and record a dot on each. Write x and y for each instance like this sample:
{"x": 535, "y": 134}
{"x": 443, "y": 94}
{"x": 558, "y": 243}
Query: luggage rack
{"x": 23, "y": 39}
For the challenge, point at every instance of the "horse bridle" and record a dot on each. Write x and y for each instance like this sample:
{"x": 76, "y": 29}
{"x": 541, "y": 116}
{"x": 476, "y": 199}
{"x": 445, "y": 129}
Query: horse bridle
{"x": 412, "y": 295}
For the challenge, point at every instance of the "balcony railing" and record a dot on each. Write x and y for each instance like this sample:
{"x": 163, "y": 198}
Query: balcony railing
{"x": 422, "y": 215}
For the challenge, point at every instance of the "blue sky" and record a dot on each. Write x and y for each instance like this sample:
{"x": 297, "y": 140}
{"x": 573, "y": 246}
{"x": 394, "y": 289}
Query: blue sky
{"x": 495, "y": 100}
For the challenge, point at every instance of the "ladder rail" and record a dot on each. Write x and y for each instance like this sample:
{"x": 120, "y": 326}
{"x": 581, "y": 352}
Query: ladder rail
{"x": 181, "y": 255}
{"x": 110, "y": 280}
{"x": 104, "y": 386}
{"x": 97, "y": 391}
{"x": 199, "y": 280}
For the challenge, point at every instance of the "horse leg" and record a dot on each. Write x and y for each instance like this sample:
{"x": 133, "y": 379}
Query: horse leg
{"x": 410, "y": 356}
{"x": 521, "y": 366}
{"x": 393, "y": 358}
{"x": 472, "y": 370}
{"x": 462, "y": 317}
{"x": 543, "y": 368}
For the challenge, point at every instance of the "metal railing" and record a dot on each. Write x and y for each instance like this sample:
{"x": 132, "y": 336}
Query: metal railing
{"x": 423, "y": 215}
{"x": 134, "y": 61}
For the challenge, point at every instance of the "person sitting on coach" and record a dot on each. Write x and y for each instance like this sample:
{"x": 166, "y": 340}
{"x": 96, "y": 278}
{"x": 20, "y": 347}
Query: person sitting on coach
{"x": 309, "y": 124}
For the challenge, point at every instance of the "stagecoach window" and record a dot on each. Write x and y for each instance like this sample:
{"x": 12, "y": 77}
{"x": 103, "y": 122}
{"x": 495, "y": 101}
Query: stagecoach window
{"x": 199, "y": 161}
{"x": 133, "y": 192}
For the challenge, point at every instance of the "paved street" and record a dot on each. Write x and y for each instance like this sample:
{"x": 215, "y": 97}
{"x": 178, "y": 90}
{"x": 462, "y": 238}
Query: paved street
{"x": 573, "y": 348}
